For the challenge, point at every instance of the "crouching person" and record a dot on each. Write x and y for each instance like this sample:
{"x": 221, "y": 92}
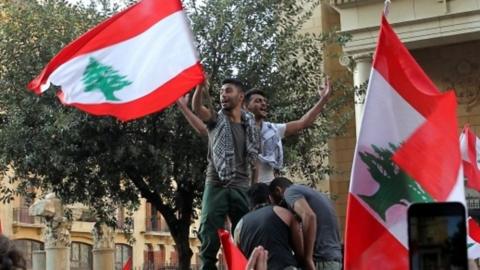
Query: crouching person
{"x": 321, "y": 235}
{"x": 272, "y": 227}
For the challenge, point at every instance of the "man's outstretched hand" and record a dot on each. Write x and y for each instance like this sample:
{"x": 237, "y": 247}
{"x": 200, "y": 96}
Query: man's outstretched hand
{"x": 183, "y": 101}
{"x": 325, "y": 90}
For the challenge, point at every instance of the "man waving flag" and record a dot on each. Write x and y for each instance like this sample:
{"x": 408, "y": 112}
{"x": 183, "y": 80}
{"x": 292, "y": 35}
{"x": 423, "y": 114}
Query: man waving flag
{"x": 135, "y": 63}
{"x": 407, "y": 151}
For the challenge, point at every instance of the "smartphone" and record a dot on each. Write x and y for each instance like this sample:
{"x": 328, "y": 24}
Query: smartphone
{"x": 437, "y": 236}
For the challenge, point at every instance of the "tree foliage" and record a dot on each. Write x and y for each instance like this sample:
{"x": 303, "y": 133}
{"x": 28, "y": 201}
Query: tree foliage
{"x": 264, "y": 44}
{"x": 105, "y": 163}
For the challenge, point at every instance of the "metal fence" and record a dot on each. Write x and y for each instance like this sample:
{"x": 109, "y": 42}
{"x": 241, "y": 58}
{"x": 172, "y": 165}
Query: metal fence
{"x": 473, "y": 203}
{"x": 351, "y": 2}
{"x": 342, "y": 2}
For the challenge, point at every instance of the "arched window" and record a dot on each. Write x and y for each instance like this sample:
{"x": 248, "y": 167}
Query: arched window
{"x": 27, "y": 247}
{"x": 123, "y": 256}
{"x": 81, "y": 256}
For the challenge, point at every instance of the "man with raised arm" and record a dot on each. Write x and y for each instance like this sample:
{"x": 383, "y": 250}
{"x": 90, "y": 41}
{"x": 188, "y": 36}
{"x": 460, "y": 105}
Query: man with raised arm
{"x": 271, "y": 150}
{"x": 232, "y": 154}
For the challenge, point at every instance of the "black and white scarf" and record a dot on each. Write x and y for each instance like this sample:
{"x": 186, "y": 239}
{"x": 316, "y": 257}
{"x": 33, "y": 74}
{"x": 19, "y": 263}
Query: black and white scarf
{"x": 223, "y": 152}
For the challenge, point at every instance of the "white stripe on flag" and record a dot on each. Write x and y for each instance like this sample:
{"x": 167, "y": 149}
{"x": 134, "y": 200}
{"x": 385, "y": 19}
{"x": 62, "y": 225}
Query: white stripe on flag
{"x": 163, "y": 47}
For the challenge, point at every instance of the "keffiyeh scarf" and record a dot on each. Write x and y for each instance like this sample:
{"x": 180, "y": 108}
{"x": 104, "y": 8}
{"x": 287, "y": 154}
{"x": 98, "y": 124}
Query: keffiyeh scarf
{"x": 271, "y": 146}
{"x": 223, "y": 153}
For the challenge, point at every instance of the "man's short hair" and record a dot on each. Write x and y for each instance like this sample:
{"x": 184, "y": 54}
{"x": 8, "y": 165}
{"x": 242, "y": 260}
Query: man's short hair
{"x": 281, "y": 182}
{"x": 10, "y": 257}
{"x": 258, "y": 194}
{"x": 253, "y": 91}
{"x": 235, "y": 82}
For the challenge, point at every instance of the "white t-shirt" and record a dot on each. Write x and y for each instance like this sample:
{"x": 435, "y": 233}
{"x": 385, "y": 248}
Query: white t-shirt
{"x": 265, "y": 171}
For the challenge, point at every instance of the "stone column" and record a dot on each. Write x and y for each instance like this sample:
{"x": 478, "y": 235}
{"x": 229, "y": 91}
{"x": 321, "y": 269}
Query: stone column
{"x": 57, "y": 243}
{"x": 361, "y": 73}
{"x": 56, "y": 232}
{"x": 103, "y": 247}
{"x": 39, "y": 260}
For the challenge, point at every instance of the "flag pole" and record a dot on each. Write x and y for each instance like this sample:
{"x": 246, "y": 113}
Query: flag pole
{"x": 386, "y": 7}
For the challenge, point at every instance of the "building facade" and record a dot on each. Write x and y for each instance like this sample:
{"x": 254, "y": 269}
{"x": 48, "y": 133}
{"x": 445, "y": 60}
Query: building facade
{"x": 442, "y": 35}
{"x": 153, "y": 248}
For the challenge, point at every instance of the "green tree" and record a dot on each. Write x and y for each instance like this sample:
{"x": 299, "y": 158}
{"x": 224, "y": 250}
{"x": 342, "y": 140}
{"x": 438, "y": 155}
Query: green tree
{"x": 104, "y": 163}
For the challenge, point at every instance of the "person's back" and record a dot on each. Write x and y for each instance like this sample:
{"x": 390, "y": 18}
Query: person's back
{"x": 327, "y": 244}
{"x": 264, "y": 227}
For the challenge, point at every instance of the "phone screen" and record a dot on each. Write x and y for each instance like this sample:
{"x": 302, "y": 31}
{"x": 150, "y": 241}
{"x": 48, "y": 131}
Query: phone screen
{"x": 437, "y": 237}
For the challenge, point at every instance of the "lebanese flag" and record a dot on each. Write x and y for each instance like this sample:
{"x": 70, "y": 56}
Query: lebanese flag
{"x": 473, "y": 240}
{"x": 137, "y": 62}
{"x": 233, "y": 255}
{"x": 407, "y": 151}
{"x": 470, "y": 147}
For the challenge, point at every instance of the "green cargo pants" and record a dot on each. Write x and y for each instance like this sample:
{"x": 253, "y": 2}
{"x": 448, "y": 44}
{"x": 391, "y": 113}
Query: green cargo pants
{"x": 217, "y": 203}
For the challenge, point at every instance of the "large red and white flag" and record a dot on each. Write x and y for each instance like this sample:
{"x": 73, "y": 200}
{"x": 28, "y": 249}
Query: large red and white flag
{"x": 470, "y": 148}
{"x": 135, "y": 63}
{"x": 407, "y": 151}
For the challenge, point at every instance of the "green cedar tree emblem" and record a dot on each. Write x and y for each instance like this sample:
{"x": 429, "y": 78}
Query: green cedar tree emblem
{"x": 396, "y": 187}
{"x": 104, "y": 78}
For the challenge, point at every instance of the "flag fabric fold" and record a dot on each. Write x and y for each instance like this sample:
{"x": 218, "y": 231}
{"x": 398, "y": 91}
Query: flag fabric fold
{"x": 135, "y": 63}
{"x": 398, "y": 159}
{"x": 233, "y": 255}
{"x": 470, "y": 147}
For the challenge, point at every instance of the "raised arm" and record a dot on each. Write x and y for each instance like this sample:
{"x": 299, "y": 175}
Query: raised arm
{"x": 308, "y": 118}
{"x": 204, "y": 113}
{"x": 309, "y": 222}
{"x": 192, "y": 119}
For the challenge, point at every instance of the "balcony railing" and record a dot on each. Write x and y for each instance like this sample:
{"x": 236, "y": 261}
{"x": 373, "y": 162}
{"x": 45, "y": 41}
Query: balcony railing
{"x": 20, "y": 215}
{"x": 473, "y": 203}
{"x": 167, "y": 266}
{"x": 347, "y": 3}
{"x": 157, "y": 225}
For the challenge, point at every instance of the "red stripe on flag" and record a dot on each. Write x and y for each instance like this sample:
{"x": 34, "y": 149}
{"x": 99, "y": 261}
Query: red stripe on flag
{"x": 122, "y": 26}
{"x": 368, "y": 244}
{"x": 234, "y": 257}
{"x": 162, "y": 97}
{"x": 473, "y": 229}
{"x": 400, "y": 69}
{"x": 471, "y": 166}
{"x": 431, "y": 155}
{"x": 128, "y": 264}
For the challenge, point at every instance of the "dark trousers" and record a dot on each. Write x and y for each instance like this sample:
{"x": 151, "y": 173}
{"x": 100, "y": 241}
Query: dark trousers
{"x": 218, "y": 202}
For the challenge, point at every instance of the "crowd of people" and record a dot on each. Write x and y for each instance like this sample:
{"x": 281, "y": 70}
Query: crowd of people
{"x": 277, "y": 224}
{"x": 288, "y": 226}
